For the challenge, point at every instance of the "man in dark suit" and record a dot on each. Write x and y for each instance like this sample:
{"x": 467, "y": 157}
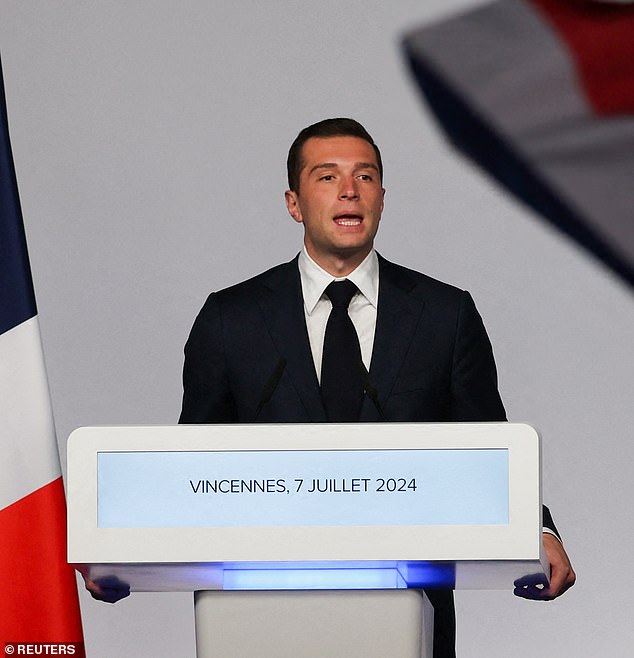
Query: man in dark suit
{"x": 427, "y": 352}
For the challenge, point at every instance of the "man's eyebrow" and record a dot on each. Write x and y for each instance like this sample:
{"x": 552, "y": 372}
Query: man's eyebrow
{"x": 334, "y": 165}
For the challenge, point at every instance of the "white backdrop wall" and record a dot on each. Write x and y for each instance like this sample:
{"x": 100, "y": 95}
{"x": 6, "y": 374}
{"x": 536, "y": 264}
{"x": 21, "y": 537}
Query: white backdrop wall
{"x": 150, "y": 140}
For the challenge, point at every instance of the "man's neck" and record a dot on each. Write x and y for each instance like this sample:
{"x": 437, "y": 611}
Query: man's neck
{"x": 339, "y": 265}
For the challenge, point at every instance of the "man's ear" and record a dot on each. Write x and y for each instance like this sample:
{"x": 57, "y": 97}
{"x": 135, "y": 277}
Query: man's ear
{"x": 292, "y": 205}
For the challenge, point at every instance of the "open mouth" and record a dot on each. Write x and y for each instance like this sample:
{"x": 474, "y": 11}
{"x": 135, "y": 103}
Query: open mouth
{"x": 348, "y": 219}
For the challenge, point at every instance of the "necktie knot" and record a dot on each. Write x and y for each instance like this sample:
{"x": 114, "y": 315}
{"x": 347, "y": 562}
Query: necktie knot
{"x": 340, "y": 293}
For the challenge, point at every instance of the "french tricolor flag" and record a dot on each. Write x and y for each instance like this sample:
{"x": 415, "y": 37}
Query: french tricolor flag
{"x": 540, "y": 94}
{"x": 39, "y": 602}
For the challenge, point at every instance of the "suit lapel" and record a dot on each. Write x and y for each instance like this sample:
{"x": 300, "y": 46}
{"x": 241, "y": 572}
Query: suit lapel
{"x": 398, "y": 314}
{"x": 283, "y": 309}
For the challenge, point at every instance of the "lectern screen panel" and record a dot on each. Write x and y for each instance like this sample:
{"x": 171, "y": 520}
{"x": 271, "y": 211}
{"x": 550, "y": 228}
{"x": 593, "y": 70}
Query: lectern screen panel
{"x": 249, "y": 488}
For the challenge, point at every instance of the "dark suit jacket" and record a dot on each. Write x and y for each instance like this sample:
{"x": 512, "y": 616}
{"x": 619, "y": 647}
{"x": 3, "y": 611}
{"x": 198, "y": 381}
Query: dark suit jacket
{"x": 431, "y": 362}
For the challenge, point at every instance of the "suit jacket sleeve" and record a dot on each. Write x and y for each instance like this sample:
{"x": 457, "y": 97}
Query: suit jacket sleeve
{"x": 207, "y": 396}
{"x": 474, "y": 390}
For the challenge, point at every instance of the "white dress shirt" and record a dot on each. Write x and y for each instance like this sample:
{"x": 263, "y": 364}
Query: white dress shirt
{"x": 317, "y": 306}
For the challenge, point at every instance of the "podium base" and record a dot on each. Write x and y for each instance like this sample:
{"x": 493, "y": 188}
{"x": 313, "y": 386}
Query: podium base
{"x": 314, "y": 624}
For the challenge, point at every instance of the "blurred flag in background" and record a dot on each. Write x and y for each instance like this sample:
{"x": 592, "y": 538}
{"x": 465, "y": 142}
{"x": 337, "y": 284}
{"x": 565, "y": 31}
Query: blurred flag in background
{"x": 540, "y": 94}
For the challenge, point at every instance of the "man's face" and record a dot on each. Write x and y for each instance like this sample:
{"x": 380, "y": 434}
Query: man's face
{"x": 340, "y": 201}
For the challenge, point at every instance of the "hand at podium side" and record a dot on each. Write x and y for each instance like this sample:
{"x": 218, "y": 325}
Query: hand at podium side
{"x": 109, "y": 589}
{"x": 562, "y": 575}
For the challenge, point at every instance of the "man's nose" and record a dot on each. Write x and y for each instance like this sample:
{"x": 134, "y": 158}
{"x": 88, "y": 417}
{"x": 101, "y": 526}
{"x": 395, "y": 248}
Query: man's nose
{"x": 349, "y": 189}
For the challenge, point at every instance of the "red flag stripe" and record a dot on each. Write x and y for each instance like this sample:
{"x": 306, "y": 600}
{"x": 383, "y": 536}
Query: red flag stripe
{"x": 34, "y": 572}
{"x": 600, "y": 38}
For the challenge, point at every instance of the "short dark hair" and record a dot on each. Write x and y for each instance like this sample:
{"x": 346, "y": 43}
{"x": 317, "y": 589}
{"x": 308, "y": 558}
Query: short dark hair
{"x": 327, "y": 128}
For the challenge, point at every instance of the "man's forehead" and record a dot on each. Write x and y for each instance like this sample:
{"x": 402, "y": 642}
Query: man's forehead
{"x": 329, "y": 151}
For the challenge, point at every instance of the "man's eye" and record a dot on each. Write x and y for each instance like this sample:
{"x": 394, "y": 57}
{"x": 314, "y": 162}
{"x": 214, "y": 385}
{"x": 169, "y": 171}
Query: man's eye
{"x": 365, "y": 177}
{"x": 327, "y": 177}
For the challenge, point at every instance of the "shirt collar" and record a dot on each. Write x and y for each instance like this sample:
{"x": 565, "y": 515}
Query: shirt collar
{"x": 315, "y": 279}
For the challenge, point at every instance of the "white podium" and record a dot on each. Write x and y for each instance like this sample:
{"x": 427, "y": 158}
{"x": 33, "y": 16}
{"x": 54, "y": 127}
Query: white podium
{"x": 320, "y": 536}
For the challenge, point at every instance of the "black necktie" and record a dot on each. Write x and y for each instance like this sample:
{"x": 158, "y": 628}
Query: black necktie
{"x": 341, "y": 385}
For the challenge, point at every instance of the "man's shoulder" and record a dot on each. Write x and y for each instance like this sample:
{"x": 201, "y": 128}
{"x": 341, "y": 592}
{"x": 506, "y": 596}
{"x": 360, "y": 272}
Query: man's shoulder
{"x": 250, "y": 290}
{"x": 416, "y": 283}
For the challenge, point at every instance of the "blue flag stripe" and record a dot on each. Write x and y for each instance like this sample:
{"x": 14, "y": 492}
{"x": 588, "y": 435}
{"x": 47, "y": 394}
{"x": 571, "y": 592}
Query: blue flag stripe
{"x": 17, "y": 299}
